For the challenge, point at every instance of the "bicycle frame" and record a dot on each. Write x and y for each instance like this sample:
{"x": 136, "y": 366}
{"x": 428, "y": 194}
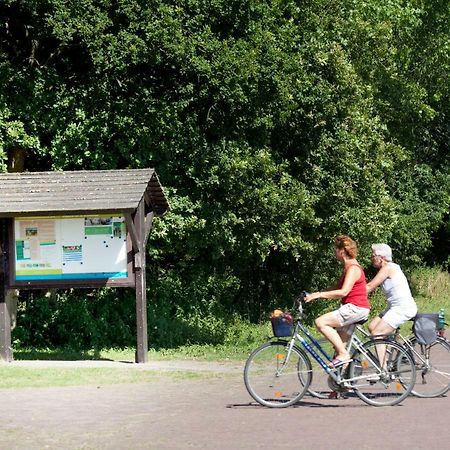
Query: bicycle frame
{"x": 423, "y": 356}
{"x": 313, "y": 348}
{"x": 405, "y": 341}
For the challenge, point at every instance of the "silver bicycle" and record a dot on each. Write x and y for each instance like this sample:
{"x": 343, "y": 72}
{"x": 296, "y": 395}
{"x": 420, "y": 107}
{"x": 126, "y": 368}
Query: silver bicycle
{"x": 279, "y": 373}
{"x": 432, "y": 362}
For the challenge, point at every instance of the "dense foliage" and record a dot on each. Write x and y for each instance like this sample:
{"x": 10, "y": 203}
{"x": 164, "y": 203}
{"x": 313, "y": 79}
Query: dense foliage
{"x": 272, "y": 124}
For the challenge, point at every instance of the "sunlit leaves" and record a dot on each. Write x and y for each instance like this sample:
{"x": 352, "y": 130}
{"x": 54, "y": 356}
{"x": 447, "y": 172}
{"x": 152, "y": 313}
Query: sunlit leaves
{"x": 272, "y": 125}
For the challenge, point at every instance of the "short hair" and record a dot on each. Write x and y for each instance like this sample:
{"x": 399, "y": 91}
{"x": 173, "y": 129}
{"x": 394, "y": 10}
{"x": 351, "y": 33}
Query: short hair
{"x": 346, "y": 243}
{"x": 382, "y": 250}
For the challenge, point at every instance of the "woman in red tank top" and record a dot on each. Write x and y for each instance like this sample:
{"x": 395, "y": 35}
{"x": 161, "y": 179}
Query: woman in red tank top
{"x": 351, "y": 289}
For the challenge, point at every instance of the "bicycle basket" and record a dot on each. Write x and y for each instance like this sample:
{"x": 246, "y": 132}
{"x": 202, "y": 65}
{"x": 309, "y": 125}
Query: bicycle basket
{"x": 282, "y": 325}
{"x": 425, "y": 328}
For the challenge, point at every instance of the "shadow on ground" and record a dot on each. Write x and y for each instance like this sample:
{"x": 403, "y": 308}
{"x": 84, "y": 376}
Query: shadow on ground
{"x": 58, "y": 355}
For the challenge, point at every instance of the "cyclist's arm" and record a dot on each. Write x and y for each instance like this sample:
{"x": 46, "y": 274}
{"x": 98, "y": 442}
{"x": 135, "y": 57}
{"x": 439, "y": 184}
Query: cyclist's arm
{"x": 331, "y": 288}
{"x": 351, "y": 276}
{"x": 382, "y": 274}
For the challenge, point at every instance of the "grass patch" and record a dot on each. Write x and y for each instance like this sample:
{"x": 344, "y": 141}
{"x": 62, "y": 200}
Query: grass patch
{"x": 27, "y": 377}
{"x": 211, "y": 353}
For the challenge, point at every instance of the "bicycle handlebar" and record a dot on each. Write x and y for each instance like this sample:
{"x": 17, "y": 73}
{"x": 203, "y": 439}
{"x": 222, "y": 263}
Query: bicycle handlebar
{"x": 298, "y": 302}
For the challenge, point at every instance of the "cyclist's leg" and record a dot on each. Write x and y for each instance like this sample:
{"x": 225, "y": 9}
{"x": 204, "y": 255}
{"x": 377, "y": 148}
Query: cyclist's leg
{"x": 327, "y": 325}
{"x": 391, "y": 319}
{"x": 373, "y": 324}
{"x": 345, "y": 316}
{"x": 382, "y": 328}
{"x": 345, "y": 333}
{"x": 320, "y": 386}
{"x": 319, "y": 383}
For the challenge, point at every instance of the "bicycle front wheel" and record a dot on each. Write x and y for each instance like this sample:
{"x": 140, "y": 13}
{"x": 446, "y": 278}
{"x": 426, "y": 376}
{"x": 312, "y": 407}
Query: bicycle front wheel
{"x": 433, "y": 368}
{"x": 383, "y": 373}
{"x": 272, "y": 374}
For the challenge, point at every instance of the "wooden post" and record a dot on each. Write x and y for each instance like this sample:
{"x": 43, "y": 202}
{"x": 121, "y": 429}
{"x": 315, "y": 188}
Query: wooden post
{"x": 5, "y": 329}
{"x": 141, "y": 285}
{"x": 5, "y": 316}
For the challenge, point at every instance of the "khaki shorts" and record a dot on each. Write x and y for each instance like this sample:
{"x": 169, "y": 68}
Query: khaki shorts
{"x": 349, "y": 314}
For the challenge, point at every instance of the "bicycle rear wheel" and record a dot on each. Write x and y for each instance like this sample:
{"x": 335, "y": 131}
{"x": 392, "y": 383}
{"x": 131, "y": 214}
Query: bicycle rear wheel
{"x": 433, "y": 368}
{"x": 272, "y": 376}
{"x": 384, "y": 383}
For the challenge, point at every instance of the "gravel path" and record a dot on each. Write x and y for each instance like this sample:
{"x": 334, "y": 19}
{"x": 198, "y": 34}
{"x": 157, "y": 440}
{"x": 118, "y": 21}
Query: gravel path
{"x": 209, "y": 413}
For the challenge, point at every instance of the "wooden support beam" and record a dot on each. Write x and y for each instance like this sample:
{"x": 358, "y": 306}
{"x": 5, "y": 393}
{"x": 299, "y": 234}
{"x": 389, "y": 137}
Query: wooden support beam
{"x": 133, "y": 233}
{"x": 5, "y": 329}
{"x": 148, "y": 225}
{"x": 149, "y": 216}
{"x": 141, "y": 288}
{"x": 6, "y": 353}
{"x": 135, "y": 241}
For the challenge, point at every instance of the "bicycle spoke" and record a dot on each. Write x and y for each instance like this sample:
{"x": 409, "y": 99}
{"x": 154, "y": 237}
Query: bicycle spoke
{"x": 433, "y": 368}
{"x": 382, "y": 384}
{"x": 276, "y": 378}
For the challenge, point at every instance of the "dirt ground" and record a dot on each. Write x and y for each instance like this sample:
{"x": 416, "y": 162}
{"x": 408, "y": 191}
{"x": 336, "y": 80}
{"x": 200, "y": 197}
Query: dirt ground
{"x": 207, "y": 413}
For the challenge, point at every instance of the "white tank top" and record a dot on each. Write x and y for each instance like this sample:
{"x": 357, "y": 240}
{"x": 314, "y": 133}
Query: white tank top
{"x": 397, "y": 289}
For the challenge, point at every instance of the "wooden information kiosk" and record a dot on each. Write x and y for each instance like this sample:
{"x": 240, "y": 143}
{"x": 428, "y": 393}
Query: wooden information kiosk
{"x": 77, "y": 229}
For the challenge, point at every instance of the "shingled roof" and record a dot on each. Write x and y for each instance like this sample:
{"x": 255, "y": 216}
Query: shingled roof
{"x": 80, "y": 192}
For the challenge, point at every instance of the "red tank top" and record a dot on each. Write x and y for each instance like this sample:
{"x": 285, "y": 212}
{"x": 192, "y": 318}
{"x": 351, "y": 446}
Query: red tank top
{"x": 358, "y": 294}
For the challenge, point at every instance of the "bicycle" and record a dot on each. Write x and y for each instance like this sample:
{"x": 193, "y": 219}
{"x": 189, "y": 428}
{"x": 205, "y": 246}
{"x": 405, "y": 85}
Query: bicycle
{"x": 278, "y": 373}
{"x": 432, "y": 362}
{"x": 320, "y": 383}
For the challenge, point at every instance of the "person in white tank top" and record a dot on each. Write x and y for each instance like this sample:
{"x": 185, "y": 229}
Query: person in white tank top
{"x": 400, "y": 302}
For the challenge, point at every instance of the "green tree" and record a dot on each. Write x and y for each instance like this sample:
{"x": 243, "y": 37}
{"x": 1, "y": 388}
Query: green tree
{"x": 273, "y": 126}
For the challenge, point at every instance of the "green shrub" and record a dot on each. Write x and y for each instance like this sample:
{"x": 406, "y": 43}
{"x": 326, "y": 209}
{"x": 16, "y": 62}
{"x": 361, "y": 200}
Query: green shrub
{"x": 76, "y": 319}
{"x": 106, "y": 318}
{"x": 431, "y": 289}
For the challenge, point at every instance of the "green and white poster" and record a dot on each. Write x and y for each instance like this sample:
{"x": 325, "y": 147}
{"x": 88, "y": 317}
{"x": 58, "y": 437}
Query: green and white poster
{"x": 62, "y": 248}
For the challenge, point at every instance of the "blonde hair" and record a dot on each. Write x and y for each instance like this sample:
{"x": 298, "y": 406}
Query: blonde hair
{"x": 346, "y": 243}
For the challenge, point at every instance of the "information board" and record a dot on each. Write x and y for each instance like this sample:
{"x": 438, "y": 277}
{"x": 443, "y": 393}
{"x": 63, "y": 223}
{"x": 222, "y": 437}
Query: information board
{"x": 70, "y": 248}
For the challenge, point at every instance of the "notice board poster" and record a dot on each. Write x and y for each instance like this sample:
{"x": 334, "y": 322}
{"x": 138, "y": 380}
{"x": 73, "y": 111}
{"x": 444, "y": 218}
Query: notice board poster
{"x": 64, "y": 248}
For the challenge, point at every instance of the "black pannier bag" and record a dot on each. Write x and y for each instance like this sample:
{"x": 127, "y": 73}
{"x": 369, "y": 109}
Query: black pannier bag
{"x": 426, "y": 327}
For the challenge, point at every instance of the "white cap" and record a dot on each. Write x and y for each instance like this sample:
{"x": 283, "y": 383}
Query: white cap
{"x": 382, "y": 250}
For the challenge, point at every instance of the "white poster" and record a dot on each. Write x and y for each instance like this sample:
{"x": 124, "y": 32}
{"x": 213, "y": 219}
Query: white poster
{"x": 62, "y": 248}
